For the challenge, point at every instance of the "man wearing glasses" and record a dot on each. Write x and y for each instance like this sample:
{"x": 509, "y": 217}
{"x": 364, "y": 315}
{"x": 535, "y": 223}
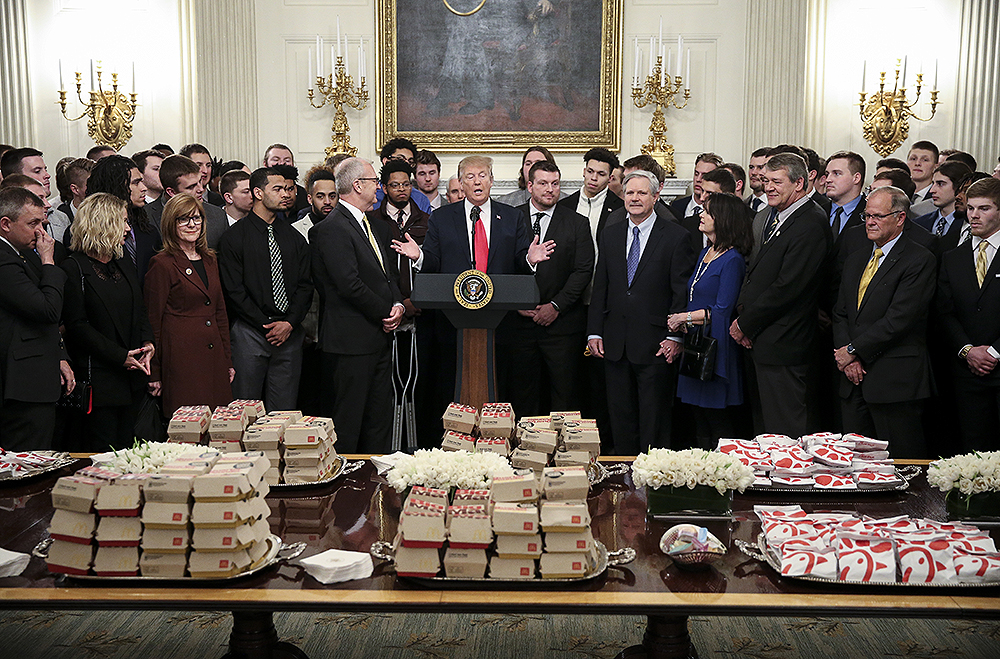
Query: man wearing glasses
{"x": 880, "y": 326}
{"x": 404, "y": 150}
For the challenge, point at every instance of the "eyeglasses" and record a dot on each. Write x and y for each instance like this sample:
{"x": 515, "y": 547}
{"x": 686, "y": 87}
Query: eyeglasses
{"x": 192, "y": 220}
{"x": 397, "y": 185}
{"x": 876, "y": 216}
{"x": 368, "y": 178}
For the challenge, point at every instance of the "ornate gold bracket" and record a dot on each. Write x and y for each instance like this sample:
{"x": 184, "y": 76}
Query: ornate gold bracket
{"x": 661, "y": 90}
{"x": 885, "y": 115}
{"x": 338, "y": 89}
{"x": 109, "y": 112}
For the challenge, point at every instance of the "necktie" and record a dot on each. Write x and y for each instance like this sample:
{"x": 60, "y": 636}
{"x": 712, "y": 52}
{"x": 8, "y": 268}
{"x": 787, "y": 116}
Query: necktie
{"x": 964, "y": 235}
{"x": 277, "y": 274}
{"x": 755, "y": 204}
{"x": 836, "y": 220}
{"x": 981, "y": 263}
{"x": 939, "y": 227}
{"x": 866, "y": 276}
{"x": 537, "y": 226}
{"x": 480, "y": 246}
{"x": 399, "y": 218}
{"x": 772, "y": 222}
{"x": 374, "y": 244}
{"x": 130, "y": 245}
{"x": 632, "y": 260}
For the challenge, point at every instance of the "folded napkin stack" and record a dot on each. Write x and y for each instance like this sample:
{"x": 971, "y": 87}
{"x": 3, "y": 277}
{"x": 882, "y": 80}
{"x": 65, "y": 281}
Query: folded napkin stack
{"x": 336, "y": 565}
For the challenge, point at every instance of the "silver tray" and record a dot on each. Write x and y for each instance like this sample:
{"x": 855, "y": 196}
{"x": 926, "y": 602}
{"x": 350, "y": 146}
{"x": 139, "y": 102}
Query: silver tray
{"x": 277, "y": 551}
{"x": 905, "y": 475}
{"x": 64, "y": 460}
{"x": 764, "y": 553}
{"x": 605, "y": 559}
{"x": 597, "y": 472}
{"x": 344, "y": 467}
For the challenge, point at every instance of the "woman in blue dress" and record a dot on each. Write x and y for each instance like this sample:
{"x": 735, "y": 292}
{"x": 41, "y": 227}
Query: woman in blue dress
{"x": 712, "y": 292}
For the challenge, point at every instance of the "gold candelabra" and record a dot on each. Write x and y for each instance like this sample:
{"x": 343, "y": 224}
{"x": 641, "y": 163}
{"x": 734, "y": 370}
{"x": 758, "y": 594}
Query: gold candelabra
{"x": 338, "y": 89}
{"x": 109, "y": 112}
{"x": 662, "y": 90}
{"x": 885, "y": 116}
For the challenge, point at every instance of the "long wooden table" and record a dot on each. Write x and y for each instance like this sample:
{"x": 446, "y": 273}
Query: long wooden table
{"x": 355, "y": 511}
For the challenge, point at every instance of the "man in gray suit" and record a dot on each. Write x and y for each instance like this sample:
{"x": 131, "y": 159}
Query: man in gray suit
{"x": 181, "y": 174}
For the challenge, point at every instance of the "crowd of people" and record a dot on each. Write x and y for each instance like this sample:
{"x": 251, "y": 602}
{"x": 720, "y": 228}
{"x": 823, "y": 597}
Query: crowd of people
{"x": 832, "y": 301}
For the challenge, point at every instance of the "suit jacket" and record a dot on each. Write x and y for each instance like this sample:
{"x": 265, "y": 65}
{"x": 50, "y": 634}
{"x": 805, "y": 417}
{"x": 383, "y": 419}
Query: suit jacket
{"x": 100, "y": 332}
{"x": 30, "y": 344}
{"x": 215, "y": 218}
{"x": 661, "y": 209}
{"x": 446, "y": 247}
{"x": 822, "y": 201}
{"x": 415, "y": 227}
{"x": 563, "y": 278}
{"x": 355, "y": 292}
{"x": 612, "y": 202}
{"x": 632, "y": 320}
{"x": 928, "y": 220}
{"x": 968, "y": 314}
{"x": 889, "y": 329}
{"x": 779, "y": 301}
{"x": 679, "y": 206}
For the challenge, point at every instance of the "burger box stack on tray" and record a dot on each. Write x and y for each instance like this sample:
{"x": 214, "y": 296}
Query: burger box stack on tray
{"x": 75, "y": 520}
{"x": 309, "y": 450}
{"x": 225, "y": 428}
{"x": 188, "y": 424}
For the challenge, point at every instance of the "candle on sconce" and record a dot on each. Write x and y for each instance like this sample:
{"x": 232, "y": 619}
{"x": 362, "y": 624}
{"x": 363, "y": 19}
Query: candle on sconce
{"x": 661, "y": 33}
{"x": 635, "y": 68}
{"x": 333, "y": 62}
{"x": 364, "y": 63}
{"x": 906, "y": 59}
{"x": 864, "y": 71}
{"x": 663, "y": 69}
{"x": 680, "y": 50}
{"x": 346, "y": 62}
{"x": 652, "y": 54}
{"x": 687, "y": 74}
{"x": 338, "y": 35}
{"x": 62, "y": 86}
{"x": 133, "y": 77}
{"x": 935, "y": 74}
{"x": 360, "y": 61}
{"x": 670, "y": 58}
{"x": 92, "y": 75}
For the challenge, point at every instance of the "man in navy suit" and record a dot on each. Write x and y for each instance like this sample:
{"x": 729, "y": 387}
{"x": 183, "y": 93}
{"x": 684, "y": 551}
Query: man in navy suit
{"x": 945, "y": 182}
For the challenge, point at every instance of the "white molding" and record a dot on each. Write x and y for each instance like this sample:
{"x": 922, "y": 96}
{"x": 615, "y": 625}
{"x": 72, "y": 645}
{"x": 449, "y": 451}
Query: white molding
{"x": 976, "y": 127}
{"x": 16, "y": 116}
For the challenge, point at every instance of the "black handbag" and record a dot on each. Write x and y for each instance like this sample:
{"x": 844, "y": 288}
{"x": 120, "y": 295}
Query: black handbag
{"x": 81, "y": 399}
{"x": 698, "y": 360}
{"x": 149, "y": 424}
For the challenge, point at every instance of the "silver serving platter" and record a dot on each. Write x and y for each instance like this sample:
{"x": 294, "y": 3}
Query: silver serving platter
{"x": 763, "y": 552}
{"x": 343, "y": 468}
{"x": 277, "y": 551}
{"x": 905, "y": 475}
{"x": 597, "y": 472}
{"x": 605, "y": 559}
{"x": 64, "y": 460}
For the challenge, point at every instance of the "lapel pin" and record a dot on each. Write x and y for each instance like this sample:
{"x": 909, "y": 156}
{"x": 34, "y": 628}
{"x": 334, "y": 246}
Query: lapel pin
{"x": 188, "y": 271}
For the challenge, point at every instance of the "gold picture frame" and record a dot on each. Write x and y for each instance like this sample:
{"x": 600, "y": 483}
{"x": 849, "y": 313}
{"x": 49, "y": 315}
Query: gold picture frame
{"x": 499, "y": 75}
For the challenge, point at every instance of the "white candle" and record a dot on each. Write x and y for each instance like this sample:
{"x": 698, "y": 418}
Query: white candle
{"x": 635, "y": 69}
{"x": 905, "y": 61}
{"x": 935, "y": 74}
{"x": 62, "y": 87}
{"x": 333, "y": 62}
{"x": 92, "y": 75}
{"x": 670, "y": 58}
{"x": 663, "y": 70}
{"x": 346, "y": 58}
{"x": 360, "y": 58}
{"x": 312, "y": 78}
{"x": 661, "y": 33}
{"x": 687, "y": 74}
{"x": 364, "y": 63}
{"x": 652, "y": 55}
{"x": 133, "y": 76}
{"x": 864, "y": 71}
{"x": 338, "y": 35}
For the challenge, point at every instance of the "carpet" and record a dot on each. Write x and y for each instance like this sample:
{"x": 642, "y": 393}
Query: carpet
{"x": 177, "y": 635}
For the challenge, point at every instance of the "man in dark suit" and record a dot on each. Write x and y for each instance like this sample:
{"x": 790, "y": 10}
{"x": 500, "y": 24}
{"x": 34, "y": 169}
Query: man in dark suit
{"x": 845, "y": 180}
{"x": 542, "y": 346}
{"x": 35, "y": 370}
{"x": 687, "y": 206}
{"x": 717, "y": 180}
{"x": 967, "y": 302}
{"x": 778, "y": 305}
{"x": 595, "y": 201}
{"x": 945, "y": 181}
{"x": 181, "y": 174}
{"x": 360, "y": 307}
{"x": 880, "y": 328}
{"x": 642, "y": 272}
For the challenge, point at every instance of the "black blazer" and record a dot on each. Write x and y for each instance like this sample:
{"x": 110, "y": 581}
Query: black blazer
{"x": 355, "y": 292}
{"x": 889, "y": 329}
{"x": 566, "y": 274}
{"x": 30, "y": 344}
{"x": 612, "y": 202}
{"x": 632, "y": 320}
{"x": 679, "y": 206}
{"x": 969, "y": 315}
{"x": 446, "y": 247}
{"x": 778, "y": 304}
{"x": 99, "y": 333}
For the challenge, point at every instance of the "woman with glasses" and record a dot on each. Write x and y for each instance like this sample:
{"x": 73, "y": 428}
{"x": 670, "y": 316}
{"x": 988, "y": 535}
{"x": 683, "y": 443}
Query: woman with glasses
{"x": 188, "y": 314}
{"x": 107, "y": 329}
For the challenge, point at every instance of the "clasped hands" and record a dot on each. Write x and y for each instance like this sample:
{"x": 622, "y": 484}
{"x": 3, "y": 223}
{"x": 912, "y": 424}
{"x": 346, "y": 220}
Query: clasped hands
{"x": 849, "y": 365}
{"x": 138, "y": 359}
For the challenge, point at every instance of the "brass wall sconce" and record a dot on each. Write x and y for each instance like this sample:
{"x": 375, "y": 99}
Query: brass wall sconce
{"x": 109, "y": 112}
{"x": 337, "y": 89}
{"x": 661, "y": 89}
{"x": 885, "y": 116}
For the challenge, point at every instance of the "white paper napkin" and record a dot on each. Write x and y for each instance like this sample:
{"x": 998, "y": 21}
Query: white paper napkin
{"x": 383, "y": 463}
{"x": 12, "y": 563}
{"x": 337, "y": 565}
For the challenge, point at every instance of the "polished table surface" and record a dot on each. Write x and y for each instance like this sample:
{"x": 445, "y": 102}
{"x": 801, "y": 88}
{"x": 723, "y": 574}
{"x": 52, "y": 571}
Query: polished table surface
{"x": 355, "y": 511}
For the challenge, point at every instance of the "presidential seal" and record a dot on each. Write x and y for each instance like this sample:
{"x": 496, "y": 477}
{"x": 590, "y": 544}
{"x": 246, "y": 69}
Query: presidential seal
{"x": 473, "y": 289}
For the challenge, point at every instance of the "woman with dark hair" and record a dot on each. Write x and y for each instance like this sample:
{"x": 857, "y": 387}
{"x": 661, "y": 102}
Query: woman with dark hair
{"x": 119, "y": 176}
{"x": 188, "y": 314}
{"x": 712, "y": 292}
{"x": 107, "y": 331}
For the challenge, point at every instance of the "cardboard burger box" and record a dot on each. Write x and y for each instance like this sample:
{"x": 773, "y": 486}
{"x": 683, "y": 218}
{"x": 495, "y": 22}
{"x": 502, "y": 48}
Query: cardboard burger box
{"x": 539, "y": 439}
{"x": 569, "y": 516}
{"x": 569, "y": 542}
{"x": 456, "y": 441}
{"x": 422, "y": 525}
{"x": 225, "y": 445}
{"x": 123, "y": 498}
{"x": 460, "y": 418}
{"x": 213, "y": 564}
{"x": 230, "y": 481}
{"x": 565, "y": 483}
{"x": 70, "y": 557}
{"x": 226, "y": 539}
{"x": 522, "y": 458}
{"x": 172, "y": 566}
{"x": 520, "y": 486}
{"x": 119, "y": 532}
{"x": 496, "y": 420}
{"x": 416, "y": 561}
{"x": 512, "y": 567}
{"x": 227, "y": 423}
{"x": 73, "y": 527}
{"x": 582, "y": 439}
{"x": 164, "y": 515}
{"x": 168, "y": 540}
{"x": 188, "y": 424}
{"x": 564, "y": 565}
{"x": 219, "y": 514}
{"x": 433, "y": 495}
{"x": 254, "y": 409}
{"x": 76, "y": 493}
{"x": 465, "y": 563}
{"x": 168, "y": 488}
{"x": 559, "y": 417}
{"x": 515, "y": 518}
{"x": 117, "y": 562}
{"x": 470, "y": 497}
{"x": 99, "y": 473}
{"x": 469, "y": 527}
{"x": 567, "y": 458}
{"x": 579, "y": 423}
{"x": 312, "y": 456}
{"x": 533, "y": 423}
{"x": 264, "y": 437}
{"x": 498, "y": 445}
{"x": 519, "y": 546}
{"x": 310, "y": 431}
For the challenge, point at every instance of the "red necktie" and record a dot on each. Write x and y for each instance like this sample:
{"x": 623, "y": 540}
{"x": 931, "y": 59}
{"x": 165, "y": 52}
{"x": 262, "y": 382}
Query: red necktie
{"x": 481, "y": 247}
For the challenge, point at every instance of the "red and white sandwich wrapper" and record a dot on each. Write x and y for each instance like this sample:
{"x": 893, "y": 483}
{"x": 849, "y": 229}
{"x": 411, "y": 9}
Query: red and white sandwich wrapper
{"x": 927, "y": 560}
{"x": 954, "y": 527}
{"x": 761, "y": 481}
{"x": 972, "y": 543}
{"x": 803, "y": 482}
{"x": 792, "y": 462}
{"x": 900, "y": 523}
{"x": 865, "y": 558}
{"x": 731, "y": 445}
{"x": 976, "y": 567}
{"x": 874, "y": 479}
{"x": 777, "y": 531}
{"x": 771, "y": 440}
{"x": 813, "y": 562}
{"x": 853, "y": 525}
{"x": 764, "y": 512}
{"x": 832, "y": 456}
{"x": 865, "y": 444}
{"x": 801, "y": 542}
{"x": 874, "y": 466}
{"x": 831, "y": 482}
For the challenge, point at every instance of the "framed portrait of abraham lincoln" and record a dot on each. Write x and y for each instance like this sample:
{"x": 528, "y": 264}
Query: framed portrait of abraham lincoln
{"x": 500, "y": 75}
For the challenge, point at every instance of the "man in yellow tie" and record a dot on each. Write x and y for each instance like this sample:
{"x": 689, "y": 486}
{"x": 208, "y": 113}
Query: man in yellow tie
{"x": 969, "y": 308}
{"x": 880, "y": 324}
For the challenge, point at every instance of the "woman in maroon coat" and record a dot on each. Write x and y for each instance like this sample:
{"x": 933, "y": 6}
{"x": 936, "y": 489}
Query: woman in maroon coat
{"x": 193, "y": 364}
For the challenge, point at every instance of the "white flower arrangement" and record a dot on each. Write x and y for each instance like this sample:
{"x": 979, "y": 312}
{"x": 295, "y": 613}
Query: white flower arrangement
{"x": 690, "y": 467}
{"x": 446, "y": 469}
{"x": 146, "y": 457}
{"x": 972, "y": 473}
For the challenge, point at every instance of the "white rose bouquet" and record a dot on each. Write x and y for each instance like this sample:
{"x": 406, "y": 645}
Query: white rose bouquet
{"x": 972, "y": 473}
{"x": 690, "y": 467}
{"x": 146, "y": 457}
{"x": 446, "y": 469}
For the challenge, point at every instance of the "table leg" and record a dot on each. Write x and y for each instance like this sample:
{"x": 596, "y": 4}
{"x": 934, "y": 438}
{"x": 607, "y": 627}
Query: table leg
{"x": 254, "y": 637}
{"x": 666, "y": 637}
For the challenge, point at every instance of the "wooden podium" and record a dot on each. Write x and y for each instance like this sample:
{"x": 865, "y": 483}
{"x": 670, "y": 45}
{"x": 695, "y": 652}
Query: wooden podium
{"x": 475, "y": 376}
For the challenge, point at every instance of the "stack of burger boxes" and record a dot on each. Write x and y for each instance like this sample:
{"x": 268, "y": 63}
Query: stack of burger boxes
{"x": 74, "y": 521}
{"x": 166, "y": 517}
{"x": 487, "y": 430}
{"x": 565, "y": 519}
{"x": 119, "y": 530}
{"x": 188, "y": 424}
{"x": 309, "y": 450}
{"x": 421, "y": 532}
{"x": 266, "y": 438}
{"x": 470, "y": 533}
{"x": 229, "y": 516}
{"x": 254, "y": 408}
{"x": 537, "y": 440}
{"x": 496, "y": 426}
{"x": 515, "y": 522}
{"x": 225, "y": 429}
{"x": 579, "y": 442}
{"x": 459, "y": 423}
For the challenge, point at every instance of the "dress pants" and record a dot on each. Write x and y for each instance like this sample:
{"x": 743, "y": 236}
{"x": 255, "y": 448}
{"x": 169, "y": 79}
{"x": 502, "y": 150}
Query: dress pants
{"x": 640, "y": 403}
{"x": 263, "y": 371}
{"x": 782, "y": 391}
{"x": 531, "y": 358}
{"x": 900, "y": 424}
{"x": 362, "y": 400}
{"x": 978, "y": 414}
{"x": 27, "y": 426}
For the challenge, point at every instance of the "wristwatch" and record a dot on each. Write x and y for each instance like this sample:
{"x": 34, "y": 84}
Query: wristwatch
{"x": 965, "y": 351}
{"x": 554, "y": 305}
{"x": 850, "y": 349}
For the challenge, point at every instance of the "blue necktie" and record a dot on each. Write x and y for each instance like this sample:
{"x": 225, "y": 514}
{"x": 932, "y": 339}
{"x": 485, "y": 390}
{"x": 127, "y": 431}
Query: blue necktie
{"x": 632, "y": 261}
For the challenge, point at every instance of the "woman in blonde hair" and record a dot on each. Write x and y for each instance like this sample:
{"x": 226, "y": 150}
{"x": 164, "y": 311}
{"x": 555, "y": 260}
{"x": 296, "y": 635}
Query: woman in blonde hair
{"x": 188, "y": 313}
{"x": 107, "y": 331}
